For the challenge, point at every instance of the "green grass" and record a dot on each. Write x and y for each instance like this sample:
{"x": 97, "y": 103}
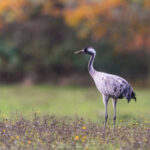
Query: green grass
{"x": 32, "y": 128}
{"x": 69, "y": 101}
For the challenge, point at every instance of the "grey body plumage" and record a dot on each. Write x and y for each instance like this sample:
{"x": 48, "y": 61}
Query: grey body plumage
{"x": 114, "y": 86}
{"x": 110, "y": 86}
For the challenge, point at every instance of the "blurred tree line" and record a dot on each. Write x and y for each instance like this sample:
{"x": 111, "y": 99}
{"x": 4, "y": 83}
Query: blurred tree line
{"x": 38, "y": 38}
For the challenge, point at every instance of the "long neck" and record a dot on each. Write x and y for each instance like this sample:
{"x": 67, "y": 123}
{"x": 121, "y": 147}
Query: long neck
{"x": 90, "y": 65}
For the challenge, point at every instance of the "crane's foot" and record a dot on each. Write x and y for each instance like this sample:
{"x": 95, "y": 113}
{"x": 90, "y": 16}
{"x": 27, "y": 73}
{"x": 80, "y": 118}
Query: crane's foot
{"x": 114, "y": 122}
{"x": 104, "y": 126}
{"x": 106, "y": 118}
{"x": 114, "y": 127}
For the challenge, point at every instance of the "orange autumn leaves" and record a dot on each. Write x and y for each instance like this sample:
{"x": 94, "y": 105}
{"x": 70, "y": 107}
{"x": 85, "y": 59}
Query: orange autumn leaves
{"x": 93, "y": 18}
{"x": 88, "y": 15}
{"x": 90, "y": 11}
{"x": 111, "y": 19}
{"x": 53, "y": 8}
{"x": 11, "y": 10}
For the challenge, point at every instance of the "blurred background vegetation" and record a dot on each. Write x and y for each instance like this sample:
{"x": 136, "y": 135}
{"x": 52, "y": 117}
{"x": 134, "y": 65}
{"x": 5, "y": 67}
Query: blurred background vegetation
{"x": 37, "y": 42}
{"x": 38, "y": 38}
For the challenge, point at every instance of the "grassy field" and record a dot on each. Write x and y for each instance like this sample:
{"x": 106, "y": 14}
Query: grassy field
{"x": 52, "y": 117}
{"x": 69, "y": 101}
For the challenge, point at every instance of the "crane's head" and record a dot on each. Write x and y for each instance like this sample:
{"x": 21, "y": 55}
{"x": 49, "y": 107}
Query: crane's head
{"x": 87, "y": 50}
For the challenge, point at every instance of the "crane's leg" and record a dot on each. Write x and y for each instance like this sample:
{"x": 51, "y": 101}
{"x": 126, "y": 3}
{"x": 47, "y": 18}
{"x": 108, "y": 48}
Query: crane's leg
{"x": 114, "y": 102}
{"x": 105, "y": 101}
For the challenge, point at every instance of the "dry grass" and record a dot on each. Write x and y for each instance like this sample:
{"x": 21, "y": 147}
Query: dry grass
{"x": 49, "y": 132}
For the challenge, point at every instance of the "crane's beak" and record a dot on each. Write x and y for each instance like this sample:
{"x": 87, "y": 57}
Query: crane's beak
{"x": 79, "y": 52}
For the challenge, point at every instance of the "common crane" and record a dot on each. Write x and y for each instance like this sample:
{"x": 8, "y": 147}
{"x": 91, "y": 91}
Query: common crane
{"x": 110, "y": 86}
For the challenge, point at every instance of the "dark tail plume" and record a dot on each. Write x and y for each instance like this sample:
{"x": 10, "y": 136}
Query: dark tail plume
{"x": 133, "y": 95}
{"x": 130, "y": 95}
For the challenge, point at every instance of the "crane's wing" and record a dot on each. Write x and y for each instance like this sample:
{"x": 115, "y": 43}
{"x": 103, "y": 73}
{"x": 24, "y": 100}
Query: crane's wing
{"x": 117, "y": 87}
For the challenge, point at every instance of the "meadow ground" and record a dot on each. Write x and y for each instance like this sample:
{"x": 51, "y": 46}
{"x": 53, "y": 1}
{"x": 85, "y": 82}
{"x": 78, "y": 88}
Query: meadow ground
{"x": 52, "y": 117}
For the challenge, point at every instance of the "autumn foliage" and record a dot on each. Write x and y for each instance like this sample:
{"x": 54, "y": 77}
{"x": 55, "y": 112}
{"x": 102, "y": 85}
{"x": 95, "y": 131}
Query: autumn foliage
{"x": 38, "y": 37}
